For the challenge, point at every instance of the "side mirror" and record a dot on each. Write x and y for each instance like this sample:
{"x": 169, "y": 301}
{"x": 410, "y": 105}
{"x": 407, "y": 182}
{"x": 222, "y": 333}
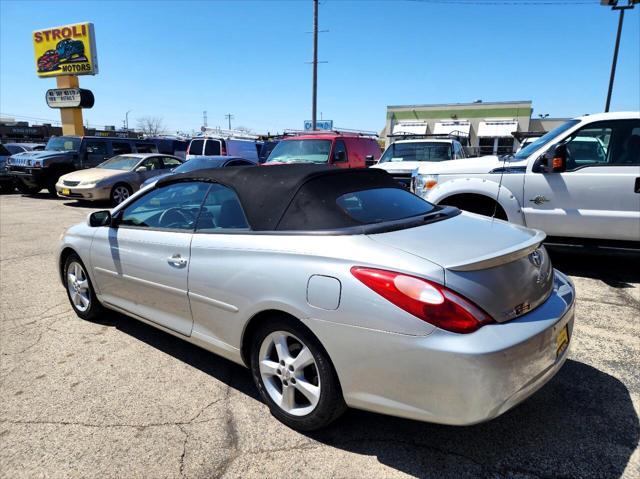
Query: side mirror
{"x": 559, "y": 159}
{"x": 553, "y": 161}
{"x": 141, "y": 169}
{"x": 100, "y": 218}
{"x": 339, "y": 156}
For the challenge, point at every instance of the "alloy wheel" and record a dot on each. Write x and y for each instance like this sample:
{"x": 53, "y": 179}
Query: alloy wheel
{"x": 120, "y": 193}
{"x": 78, "y": 286}
{"x": 289, "y": 373}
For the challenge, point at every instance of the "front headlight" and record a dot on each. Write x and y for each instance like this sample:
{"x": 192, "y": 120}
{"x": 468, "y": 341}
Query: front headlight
{"x": 37, "y": 164}
{"x": 423, "y": 183}
{"x": 87, "y": 183}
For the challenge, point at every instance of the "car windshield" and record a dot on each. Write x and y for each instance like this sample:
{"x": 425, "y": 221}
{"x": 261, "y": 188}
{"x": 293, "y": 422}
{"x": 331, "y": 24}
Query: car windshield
{"x": 382, "y": 204}
{"x": 63, "y": 143}
{"x": 417, "y": 151}
{"x": 301, "y": 151}
{"x": 197, "y": 164}
{"x": 121, "y": 162}
{"x": 544, "y": 139}
{"x": 6, "y": 152}
{"x": 13, "y": 149}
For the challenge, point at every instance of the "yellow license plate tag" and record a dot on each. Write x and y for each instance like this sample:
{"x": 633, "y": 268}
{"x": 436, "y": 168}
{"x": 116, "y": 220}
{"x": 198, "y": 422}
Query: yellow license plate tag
{"x": 562, "y": 340}
{"x": 66, "y": 191}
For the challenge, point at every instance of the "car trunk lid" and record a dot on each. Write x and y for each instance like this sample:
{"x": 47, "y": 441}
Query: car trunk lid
{"x": 498, "y": 265}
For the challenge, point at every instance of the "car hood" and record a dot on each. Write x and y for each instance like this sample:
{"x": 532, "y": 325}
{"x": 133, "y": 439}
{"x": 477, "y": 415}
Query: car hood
{"x": 487, "y": 260}
{"x": 480, "y": 165}
{"x": 401, "y": 166}
{"x": 93, "y": 174}
{"x": 42, "y": 154}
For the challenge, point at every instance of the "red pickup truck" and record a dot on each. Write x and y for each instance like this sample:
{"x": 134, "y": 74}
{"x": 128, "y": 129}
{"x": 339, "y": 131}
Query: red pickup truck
{"x": 344, "y": 150}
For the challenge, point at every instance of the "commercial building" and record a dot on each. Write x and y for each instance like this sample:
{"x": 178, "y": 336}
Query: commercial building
{"x": 484, "y": 127}
{"x": 22, "y": 132}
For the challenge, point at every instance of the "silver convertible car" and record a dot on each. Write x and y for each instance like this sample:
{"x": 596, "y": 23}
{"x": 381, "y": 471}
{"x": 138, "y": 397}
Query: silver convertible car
{"x": 335, "y": 287}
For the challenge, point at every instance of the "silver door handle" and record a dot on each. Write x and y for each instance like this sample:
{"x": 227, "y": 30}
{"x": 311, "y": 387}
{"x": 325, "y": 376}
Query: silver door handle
{"x": 177, "y": 260}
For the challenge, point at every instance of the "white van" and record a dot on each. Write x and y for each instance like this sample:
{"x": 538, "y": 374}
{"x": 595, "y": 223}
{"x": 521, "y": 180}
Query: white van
{"x": 215, "y": 146}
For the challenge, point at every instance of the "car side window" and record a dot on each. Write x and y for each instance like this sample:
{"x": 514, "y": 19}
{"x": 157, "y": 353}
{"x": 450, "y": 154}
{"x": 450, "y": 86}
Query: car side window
{"x": 174, "y": 206}
{"x": 221, "y": 210}
{"x": 121, "y": 148}
{"x": 96, "y": 147}
{"x": 168, "y": 162}
{"x": 627, "y": 152}
{"x": 152, "y": 163}
{"x": 339, "y": 152}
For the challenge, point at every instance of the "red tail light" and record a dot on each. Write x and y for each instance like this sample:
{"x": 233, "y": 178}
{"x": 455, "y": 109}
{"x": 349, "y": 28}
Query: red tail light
{"x": 426, "y": 300}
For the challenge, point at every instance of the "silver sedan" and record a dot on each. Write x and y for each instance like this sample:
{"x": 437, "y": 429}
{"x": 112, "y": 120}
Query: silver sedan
{"x": 335, "y": 287}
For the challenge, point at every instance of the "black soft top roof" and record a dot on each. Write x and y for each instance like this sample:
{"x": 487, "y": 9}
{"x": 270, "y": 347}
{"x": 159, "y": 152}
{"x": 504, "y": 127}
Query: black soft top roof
{"x": 292, "y": 197}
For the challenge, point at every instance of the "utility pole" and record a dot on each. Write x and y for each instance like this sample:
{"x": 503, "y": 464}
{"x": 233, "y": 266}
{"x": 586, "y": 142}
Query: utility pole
{"x": 204, "y": 118}
{"x": 314, "y": 88}
{"x": 126, "y": 120}
{"x": 229, "y": 117}
{"x": 614, "y": 6}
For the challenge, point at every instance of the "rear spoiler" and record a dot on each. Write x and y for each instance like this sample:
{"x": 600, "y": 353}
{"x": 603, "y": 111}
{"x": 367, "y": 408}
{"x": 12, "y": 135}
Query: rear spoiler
{"x": 504, "y": 256}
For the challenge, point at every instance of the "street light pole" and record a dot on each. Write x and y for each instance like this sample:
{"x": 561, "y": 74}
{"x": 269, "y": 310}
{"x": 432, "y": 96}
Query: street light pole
{"x": 314, "y": 91}
{"x": 614, "y": 6}
{"x": 126, "y": 120}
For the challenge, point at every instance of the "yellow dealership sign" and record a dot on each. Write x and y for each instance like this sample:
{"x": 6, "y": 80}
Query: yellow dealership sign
{"x": 66, "y": 50}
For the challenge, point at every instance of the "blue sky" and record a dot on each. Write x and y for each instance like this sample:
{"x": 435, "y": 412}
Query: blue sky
{"x": 175, "y": 59}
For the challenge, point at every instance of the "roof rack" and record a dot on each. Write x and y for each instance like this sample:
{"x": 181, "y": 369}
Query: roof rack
{"x": 341, "y": 131}
{"x": 221, "y": 133}
{"x": 452, "y": 135}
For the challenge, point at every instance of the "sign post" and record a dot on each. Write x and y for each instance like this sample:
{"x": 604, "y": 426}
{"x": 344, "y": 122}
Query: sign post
{"x": 65, "y": 53}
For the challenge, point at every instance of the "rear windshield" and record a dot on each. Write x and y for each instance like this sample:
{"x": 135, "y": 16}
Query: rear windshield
{"x": 418, "y": 151}
{"x": 382, "y": 204}
{"x": 196, "y": 147}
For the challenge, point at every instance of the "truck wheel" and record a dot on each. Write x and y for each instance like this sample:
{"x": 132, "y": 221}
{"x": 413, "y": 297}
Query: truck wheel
{"x": 26, "y": 189}
{"x": 119, "y": 193}
{"x": 51, "y": 187}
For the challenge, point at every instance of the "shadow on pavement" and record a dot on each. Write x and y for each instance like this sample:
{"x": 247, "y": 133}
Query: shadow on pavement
{"x": 617, "y": 270}
{"x": 581, "y": 424}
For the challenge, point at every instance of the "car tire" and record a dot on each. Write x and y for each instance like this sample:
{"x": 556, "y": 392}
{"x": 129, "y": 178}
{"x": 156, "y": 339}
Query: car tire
{"x": 80, "y": 290}
{"x": 119, "y": 193}
{"x": 26, "y": 189}
{"x": 7, "y": 188}
{"x": 51, "y": 187}
{"x": 300, "y": 387}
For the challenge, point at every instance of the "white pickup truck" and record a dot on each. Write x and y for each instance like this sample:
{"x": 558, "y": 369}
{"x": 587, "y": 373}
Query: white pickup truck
{"x": 579, "y": 183}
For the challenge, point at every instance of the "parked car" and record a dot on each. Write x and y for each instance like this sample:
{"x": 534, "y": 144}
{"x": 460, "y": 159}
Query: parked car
{"x": 219, "y": 146}
{"x": 344, "y": 150}
{"x": 580, "y": 183}
{"x": 48, "y": 61}
{"x": 331, "y": 289}
{"x": 69, "y": 48}
{"x": 116, "y": 179}
{"x": 202, "y": 163}
{"x": 7, "y": 184}
{"x": 15, "y": 148}
{"x": 402, "y": 157}
{"x": 36, "y": 170}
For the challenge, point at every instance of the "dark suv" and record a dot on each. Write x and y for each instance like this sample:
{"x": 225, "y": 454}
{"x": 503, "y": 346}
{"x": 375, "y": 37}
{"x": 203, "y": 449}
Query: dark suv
{"x": 35, "y": 170}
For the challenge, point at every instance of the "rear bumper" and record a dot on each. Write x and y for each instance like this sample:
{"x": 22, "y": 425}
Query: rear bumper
{"x": 448, "y": 378}
{"x": 90, "y": 193}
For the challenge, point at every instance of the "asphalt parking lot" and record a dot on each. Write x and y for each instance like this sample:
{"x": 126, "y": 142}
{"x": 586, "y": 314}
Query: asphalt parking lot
{"x": 117, "y": 398}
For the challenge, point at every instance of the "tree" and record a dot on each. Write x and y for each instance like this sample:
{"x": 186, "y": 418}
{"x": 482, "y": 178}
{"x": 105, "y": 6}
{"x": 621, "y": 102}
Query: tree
{"x": 151, "y": 125}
